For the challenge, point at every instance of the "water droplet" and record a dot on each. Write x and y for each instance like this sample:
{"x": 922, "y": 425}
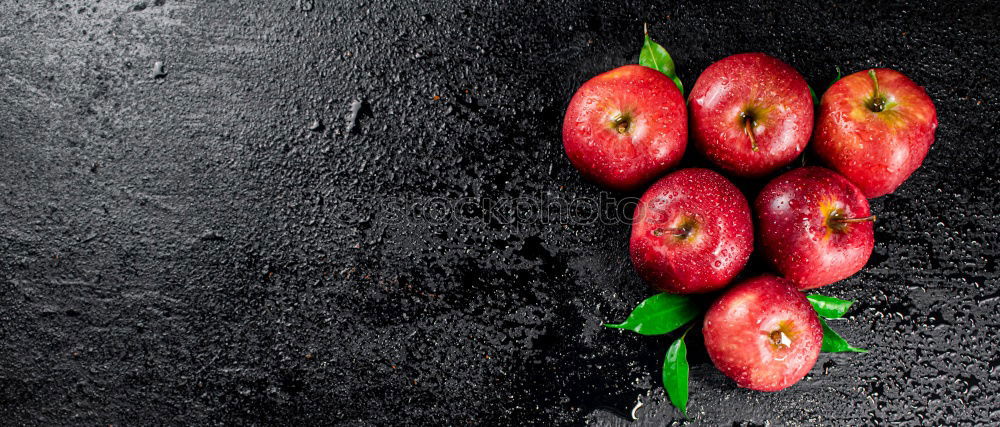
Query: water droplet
{"x": 158, "y": 71}
{"x": 352, "y": 116}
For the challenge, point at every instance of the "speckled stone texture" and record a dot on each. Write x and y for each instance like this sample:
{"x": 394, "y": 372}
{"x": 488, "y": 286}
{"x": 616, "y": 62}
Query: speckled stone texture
{"x": 230, "y": 238}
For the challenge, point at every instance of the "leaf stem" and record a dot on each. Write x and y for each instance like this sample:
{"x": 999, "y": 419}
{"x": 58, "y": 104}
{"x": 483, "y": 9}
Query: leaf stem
{"x": 690, "y": 325}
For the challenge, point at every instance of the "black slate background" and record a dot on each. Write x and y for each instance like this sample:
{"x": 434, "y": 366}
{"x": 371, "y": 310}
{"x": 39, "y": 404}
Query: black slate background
{"x": 186, "y": 250}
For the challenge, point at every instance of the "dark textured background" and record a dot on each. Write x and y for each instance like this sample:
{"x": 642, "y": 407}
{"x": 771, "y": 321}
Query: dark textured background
{"x": 184, "y": 249}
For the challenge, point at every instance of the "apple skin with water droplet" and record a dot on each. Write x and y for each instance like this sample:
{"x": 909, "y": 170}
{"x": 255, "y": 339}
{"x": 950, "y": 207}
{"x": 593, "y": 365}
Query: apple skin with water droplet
{"x": 763, "y": 333}
{"x": 876, "y": 146}
{"x": 750, "y": 95}
{"x": 814, "y": 226}
{"x": 692, "y": 232}
{"x": 626, "y": 127}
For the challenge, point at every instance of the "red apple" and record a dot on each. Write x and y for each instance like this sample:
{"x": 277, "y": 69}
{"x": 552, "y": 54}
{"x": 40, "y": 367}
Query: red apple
{"x": 626, "y": 127}
{"x": 763, "y": 333}
{"x": 875, "y": 127}
{"x": 691, "y": 232}
{"x": 751, "y": 114}
{"x": 814, "y": 225}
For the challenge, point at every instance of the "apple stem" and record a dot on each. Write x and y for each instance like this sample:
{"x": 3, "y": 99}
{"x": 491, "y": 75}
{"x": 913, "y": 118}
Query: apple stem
{"x": 748, "y": 128}
{"x": 622, "y": 127}
{"x": 853, "y": 220}
{"x": 645, "y": 29}
{"x": 874, "y": 77}
{"x": 675, "y": 231}
{"x": 877, "y": 102}
{"x": 622, "y": 123}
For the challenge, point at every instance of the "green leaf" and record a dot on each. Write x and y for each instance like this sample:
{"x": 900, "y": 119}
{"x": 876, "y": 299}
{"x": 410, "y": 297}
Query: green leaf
{"x": 829, "y": 307}
{"x": 675, "y": 374}
{"x": 816, "y": 99}
{"x": 654, "y": 56}
{"x": 659, "y": 314}
{"x": 834, "y": 343}
{"x": 677, "y": 81}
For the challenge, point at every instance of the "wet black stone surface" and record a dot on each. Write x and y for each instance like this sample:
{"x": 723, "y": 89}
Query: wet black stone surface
{"x": 265, "y": 228}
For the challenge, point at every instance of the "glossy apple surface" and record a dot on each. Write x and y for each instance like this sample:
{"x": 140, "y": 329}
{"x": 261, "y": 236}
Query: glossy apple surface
{"x": 751, "y": 114}
{"x": 692, "y": 232}
{"x": 814, "y": 226}
{"x": 626, "y": 127}
{"x": 763, "y": 333}
{"x": 876, "y": 137}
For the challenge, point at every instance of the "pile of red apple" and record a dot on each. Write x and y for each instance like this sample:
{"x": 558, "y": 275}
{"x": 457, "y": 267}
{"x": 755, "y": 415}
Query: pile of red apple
{"x": 693, "y": 230}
